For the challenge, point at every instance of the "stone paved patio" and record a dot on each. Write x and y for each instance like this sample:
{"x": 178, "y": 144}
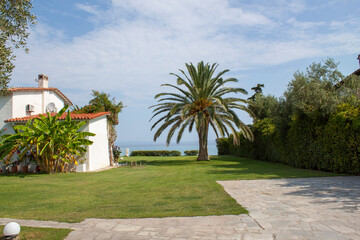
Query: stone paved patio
{"x": 302, "y": 208}
{"x": 280, "y": 209}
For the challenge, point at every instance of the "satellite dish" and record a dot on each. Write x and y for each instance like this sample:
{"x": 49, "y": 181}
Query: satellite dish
{"x": 51, "y": 108}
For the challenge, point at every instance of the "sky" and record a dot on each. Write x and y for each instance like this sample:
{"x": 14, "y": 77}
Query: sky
{"x": 127, "y": 48}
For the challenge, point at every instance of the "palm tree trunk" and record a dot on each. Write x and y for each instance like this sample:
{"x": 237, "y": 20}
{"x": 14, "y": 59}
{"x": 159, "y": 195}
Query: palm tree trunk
{"x": 203, "y": 150}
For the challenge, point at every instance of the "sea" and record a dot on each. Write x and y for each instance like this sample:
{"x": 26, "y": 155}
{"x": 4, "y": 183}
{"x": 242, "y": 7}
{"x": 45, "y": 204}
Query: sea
{"x": 139, "y": 146}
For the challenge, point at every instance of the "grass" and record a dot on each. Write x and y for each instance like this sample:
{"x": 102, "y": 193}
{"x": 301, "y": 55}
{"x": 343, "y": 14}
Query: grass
{"x": 30, "y": 233}
{"x": 161, "y": 187}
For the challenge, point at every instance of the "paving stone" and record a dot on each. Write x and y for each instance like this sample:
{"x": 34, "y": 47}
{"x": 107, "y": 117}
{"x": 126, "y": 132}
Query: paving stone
{"x": 103, "y": 236}
{"x": 342, "y": 229}
{"x": 126, "y": 228}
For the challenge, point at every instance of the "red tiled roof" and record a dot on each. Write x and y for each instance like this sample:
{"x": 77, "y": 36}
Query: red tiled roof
{"x": 74, "y": 116}
{"x": 37, "y": 89}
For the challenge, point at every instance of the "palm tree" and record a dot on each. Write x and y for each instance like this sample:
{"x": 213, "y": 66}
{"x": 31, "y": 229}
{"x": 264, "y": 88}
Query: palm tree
{"x": 202, "y": 103}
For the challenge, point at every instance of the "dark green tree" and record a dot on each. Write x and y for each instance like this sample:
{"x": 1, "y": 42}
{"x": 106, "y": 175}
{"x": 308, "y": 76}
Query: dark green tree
{"x": 263, "y": 106}
{"x": 102, "y": 102}
{"x": 313, "y": 93}
{"x": 257, "y": 90}
{"x": 202, "y": 102}
{"x": 15, "y": 19}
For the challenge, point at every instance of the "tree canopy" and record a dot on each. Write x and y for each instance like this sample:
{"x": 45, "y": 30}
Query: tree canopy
{"x": 315, "y": 125}
{"x": 102, "y": 102}
{"x": 15, "y": 19}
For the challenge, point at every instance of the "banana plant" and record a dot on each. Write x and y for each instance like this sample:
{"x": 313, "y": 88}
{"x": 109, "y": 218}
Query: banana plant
{"x": 54, "y": 143}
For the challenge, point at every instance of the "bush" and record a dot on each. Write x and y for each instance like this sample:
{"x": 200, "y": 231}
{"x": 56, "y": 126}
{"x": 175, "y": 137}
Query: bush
{"x": 159, "y": 153}
{"x": 332, "y": 145}
{"x": 116, "y": 152}
{"x": 191, "y": 152}
{"x": 340, "y": 139}
{"x": 222, "y": 145}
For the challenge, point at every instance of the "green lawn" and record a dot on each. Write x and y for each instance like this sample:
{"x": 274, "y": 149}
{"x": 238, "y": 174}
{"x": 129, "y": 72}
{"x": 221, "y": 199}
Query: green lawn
{"x": 161, "y": 187}
{"x": 30, "y": 233}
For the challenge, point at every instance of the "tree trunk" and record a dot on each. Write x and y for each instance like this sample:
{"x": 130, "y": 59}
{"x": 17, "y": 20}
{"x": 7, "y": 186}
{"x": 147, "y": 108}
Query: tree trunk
{"x": 111, "y": 154}
{"x": 203, "y": 150}
{"x": 111, "y": 142}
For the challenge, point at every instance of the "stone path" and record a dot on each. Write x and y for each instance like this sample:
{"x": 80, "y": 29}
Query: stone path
{"x": 307, "y": 208}
{"x": 302, "y": 208}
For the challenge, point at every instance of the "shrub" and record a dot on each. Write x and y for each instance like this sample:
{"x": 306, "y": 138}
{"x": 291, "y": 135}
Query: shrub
{"x": 54, "y": 144}
{"x": 159, "y": 153}
{"x": 191, "y": 152}
{"x": 223, "y": 145}
{"x": 116, "y": 152}
{"x": 332, "y": 145}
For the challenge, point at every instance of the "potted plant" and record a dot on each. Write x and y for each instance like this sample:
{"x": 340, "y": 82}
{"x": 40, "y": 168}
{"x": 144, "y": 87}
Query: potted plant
{"x": 4, "y": 168}
{"x": 25, "y": 167}
{"x": 14, "y": 166}
{"x": 116, "y": 153}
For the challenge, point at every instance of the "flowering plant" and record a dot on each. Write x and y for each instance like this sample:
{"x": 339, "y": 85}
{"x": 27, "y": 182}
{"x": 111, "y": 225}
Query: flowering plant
{"x": 116, "y": 152}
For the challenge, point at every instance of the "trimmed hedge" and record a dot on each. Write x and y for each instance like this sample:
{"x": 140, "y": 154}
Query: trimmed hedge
{"x": 159, "y": 153}
{"x": 223, "y": 145}
{"x": 332, "y": 145}
{"x": 191, "y": 152}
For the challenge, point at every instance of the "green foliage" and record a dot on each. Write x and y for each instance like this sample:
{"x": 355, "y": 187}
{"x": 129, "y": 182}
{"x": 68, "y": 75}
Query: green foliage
{"x": 312, "y": 93}
{"x": 102, "y": 102}
{"x": 116, "y": 152}
{"x": 191, "y": 152}
{"x": 340, "y": 139}
{"x": 53, "y": 143}
{"x": 349, "y": 90}
{"x": 200, "y": 103}
{"x": 15, "y": 18}
{"x": 264, "y": 106}
{"x": 160, "y": 153}
{"x": 316, "y": 126}
{"x": 244, "y": 149}
{"x": 222, "y": 145}
{"x": 257, "y": 90}
{"x": 265, "y": 126}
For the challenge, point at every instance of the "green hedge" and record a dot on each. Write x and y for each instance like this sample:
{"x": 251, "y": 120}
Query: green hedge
{"x": 329, "y": 145}
{"x": 223, "y": 145}
{"x": 191, "y": 152}
{"x": 156, "y": 153}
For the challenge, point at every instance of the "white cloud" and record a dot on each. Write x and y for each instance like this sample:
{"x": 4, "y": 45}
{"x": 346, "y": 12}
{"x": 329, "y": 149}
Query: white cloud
{"x": 135, "y": 44}
{"x": 153, "y": 38}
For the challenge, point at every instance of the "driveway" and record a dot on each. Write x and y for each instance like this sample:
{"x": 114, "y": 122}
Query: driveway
{"x": 280, "y": 209}
{"x": 302, "y": 208}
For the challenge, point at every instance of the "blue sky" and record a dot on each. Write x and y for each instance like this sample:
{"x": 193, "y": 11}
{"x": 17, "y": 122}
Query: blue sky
{"x": 127, "y": 48}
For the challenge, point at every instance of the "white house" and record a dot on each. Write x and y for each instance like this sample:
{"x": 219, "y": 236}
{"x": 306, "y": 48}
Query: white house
{"x": 22, "y": 104}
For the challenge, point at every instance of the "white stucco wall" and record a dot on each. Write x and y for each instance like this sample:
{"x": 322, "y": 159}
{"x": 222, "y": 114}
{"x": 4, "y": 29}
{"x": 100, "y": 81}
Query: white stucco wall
{"x": 98, "y": 154}
{"x": 53, "y": 97}
{"x": 38, "y": 99}
{"x": 5, "y": 110}
{"x": 21, "y": 99}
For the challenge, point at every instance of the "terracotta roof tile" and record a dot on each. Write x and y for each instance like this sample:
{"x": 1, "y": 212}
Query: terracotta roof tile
{"x": 37, "y": 89}
{"x": 74, "y": 116}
